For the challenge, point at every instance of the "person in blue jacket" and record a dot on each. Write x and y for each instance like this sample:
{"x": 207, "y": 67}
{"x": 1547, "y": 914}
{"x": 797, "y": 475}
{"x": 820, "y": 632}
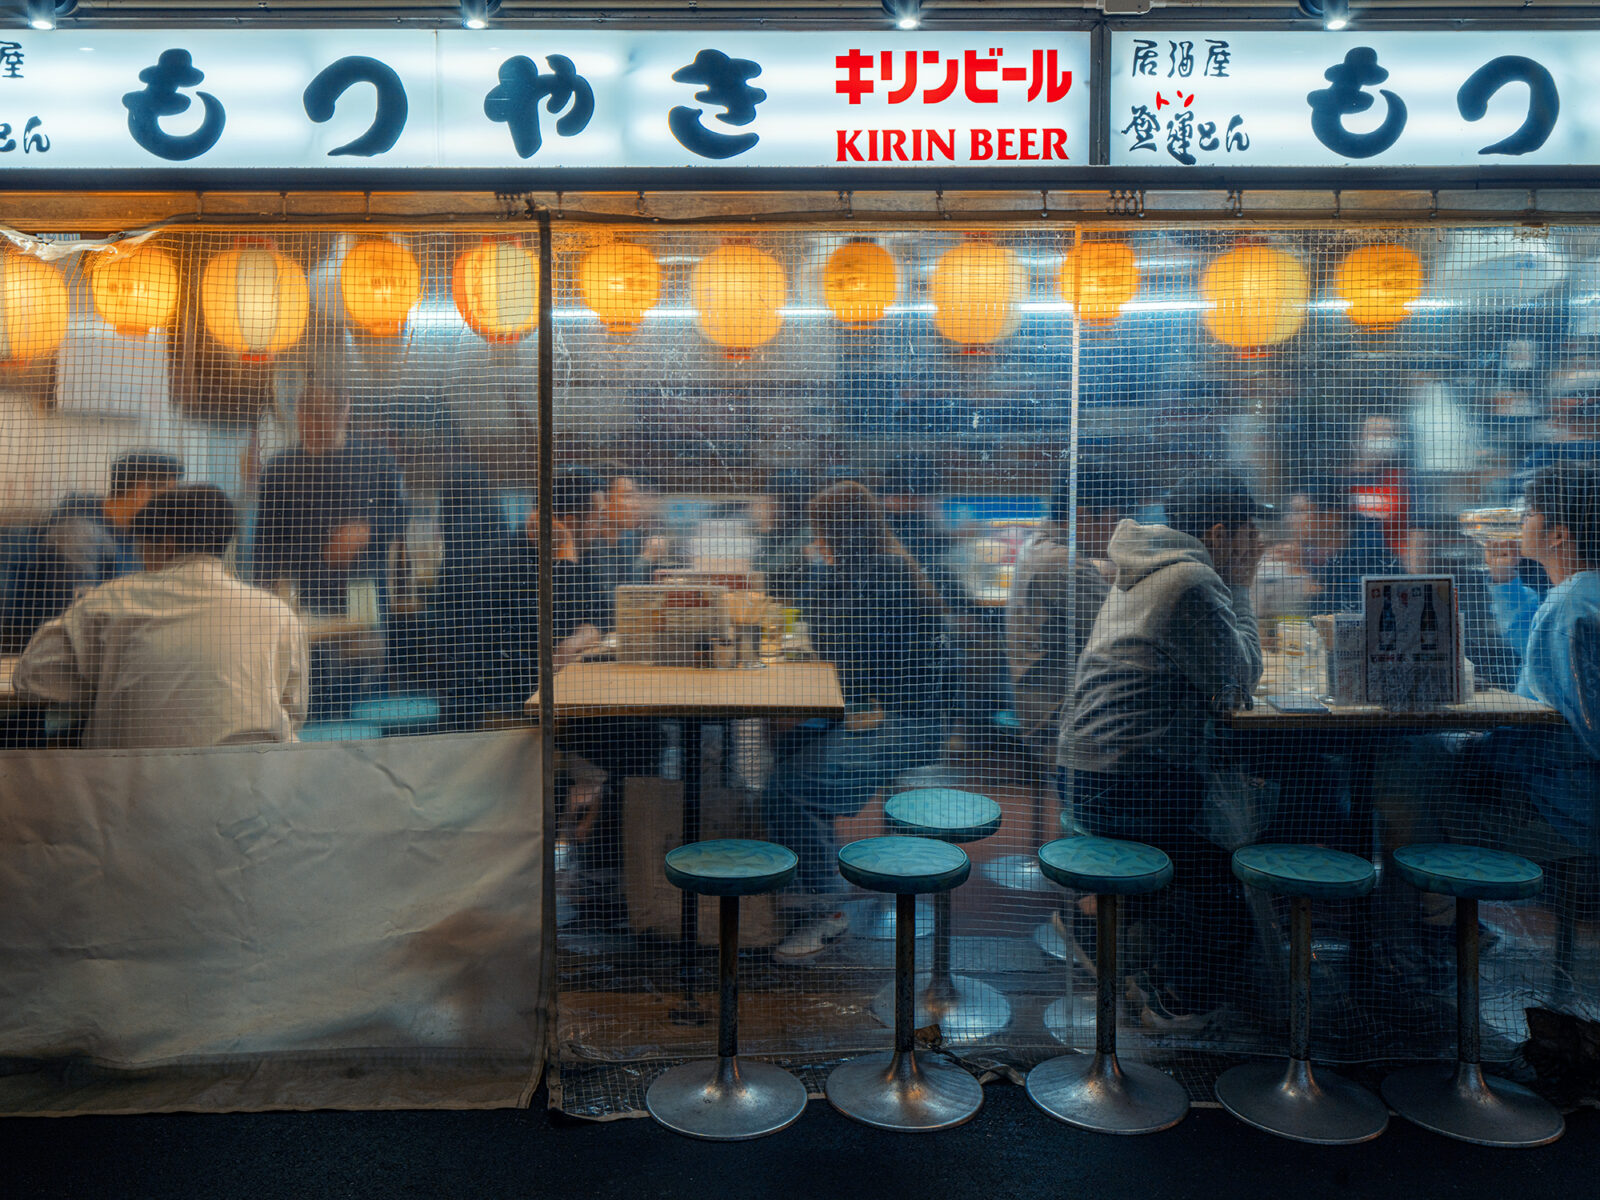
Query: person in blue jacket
{"x": 1549, "y": 779}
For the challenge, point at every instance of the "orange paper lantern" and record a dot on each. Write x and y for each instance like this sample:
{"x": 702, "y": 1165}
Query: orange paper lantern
{"x": 134, "y": 292}
{"x": 975, "y": 288}
{"x": 620, "y": 282}
{"x": 859, "y": 282}
{"x": 737, "y": 292}
{"x": 33, "y": 308}
{"x": 380, "y": 281}
{"x": 1379, "y": 283}
{"x": 1257, "y": 296}
{"x": 1097, "y": 279}
{"x": 496, "y": 289}
{"x": 255, "y": 300}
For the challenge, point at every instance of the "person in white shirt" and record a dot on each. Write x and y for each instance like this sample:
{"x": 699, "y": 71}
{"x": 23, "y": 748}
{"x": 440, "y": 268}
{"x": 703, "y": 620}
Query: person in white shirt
{"x": 182, "y": 654}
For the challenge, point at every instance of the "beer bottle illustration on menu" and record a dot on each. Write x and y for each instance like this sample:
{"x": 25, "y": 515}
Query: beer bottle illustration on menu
{"x": 1430, "y": 620}
{"x": 1386, "y": 629}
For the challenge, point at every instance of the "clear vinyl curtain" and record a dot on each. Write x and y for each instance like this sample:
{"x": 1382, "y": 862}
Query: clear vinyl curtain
{"x": 997, "y": 397}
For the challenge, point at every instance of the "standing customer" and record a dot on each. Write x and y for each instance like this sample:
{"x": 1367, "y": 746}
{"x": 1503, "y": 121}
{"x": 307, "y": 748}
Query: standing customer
{"x": 878, "y": 619}
{"x": 1173, "y": 648}
{"x": 182, "y": 654}
{"x": 329, "y": 512}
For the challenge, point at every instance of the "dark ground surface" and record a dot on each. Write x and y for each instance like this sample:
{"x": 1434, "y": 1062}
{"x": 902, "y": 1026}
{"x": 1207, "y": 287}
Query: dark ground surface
{"x": 1009, "y": 1150}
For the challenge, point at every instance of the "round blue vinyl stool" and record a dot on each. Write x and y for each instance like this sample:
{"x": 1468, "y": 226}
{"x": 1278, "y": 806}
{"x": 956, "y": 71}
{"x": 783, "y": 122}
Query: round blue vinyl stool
{"x": 1098, "y": 1092}
{"x": 964, "y": 1009}
{"x": 1459, "y": 1100}
{"x": 398, "y": 714}
{"x": 340, "y": 731}
{"x": 896, "y": 1090}
{"x": 1291, "y": 1101}
{"x": 727, "y": 1100}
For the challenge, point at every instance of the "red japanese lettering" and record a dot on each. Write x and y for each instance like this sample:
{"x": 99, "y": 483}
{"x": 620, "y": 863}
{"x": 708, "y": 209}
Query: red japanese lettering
{"x": 854, "y": 86}
{"x": 952, "y": 71}
{"x": 976, "y": 66}
{"x": 1047, "y": 78}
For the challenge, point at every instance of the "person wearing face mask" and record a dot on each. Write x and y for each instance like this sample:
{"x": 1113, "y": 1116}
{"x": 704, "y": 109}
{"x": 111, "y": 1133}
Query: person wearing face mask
{"x": 1379, "y": 487}
{"x": 1173, "y": 648}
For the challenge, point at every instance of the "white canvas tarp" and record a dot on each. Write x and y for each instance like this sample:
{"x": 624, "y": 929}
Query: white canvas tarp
{"x": 339, "y": 925}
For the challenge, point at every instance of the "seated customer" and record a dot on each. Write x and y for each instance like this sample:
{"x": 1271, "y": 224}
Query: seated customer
{"x": 877, "y": 618}
{"x": 87, "y": 540}
{"x": 1331, "y": 546}
{"x": 1549, "y": 779}
{"x": 182, "y": 654}
{"x": 1173, "y": 648}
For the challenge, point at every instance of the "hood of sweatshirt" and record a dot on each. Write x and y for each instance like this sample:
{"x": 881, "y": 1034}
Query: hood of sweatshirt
{"x": 1139, "y": 551}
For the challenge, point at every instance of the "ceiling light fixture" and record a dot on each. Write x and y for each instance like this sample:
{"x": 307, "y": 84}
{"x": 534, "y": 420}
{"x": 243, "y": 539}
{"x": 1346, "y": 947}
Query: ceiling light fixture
{"x": 475, "y": 14}
{"x": 1334, "y": 14}
{"x": 906, "y": 14}
{"x": 43, "y": 14}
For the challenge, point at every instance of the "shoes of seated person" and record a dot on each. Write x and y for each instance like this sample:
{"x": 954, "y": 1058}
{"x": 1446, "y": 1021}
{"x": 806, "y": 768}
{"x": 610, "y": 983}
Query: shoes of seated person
{"x": 811, "y": 938}
{"x": 1162, "y": 1011}
{"x": 1078, "y": 932}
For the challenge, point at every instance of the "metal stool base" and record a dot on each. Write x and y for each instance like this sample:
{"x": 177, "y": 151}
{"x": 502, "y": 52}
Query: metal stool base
{"x": 964, "y": 1009}
{"x": 1103, "y": 1095}
{"x": 726, "y": 1100}
{"x": 1461, "y": 1102}
{"x": 903, "y": 1093}
{"x": 1016, "y": 873}
{"x": 1326, "y": 1109}
{"x": 1049, "y": 940}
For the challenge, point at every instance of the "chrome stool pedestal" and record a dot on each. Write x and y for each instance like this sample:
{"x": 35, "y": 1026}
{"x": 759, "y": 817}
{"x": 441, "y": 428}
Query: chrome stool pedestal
{"x": 1458, "y": 1100}
{"x": 1291, "y": 1100}
{"x": 1098, "y": 1092}
{"x": 726, "y": 1099}
{"x": 964, "y": 1009}
{"x": 899, "y": 1090}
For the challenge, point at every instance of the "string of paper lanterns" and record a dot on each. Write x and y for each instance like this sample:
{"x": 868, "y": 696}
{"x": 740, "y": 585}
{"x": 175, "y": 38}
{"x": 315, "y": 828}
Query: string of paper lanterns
{"x": 255, "y": 300}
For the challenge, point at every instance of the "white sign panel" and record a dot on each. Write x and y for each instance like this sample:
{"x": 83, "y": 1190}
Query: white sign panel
{"x": 1258, "y": 99}
{"x": 259, "y": 99}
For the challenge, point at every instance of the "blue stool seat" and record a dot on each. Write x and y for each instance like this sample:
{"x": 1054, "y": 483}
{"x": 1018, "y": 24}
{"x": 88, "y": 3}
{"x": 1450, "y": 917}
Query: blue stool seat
{"x": 730, "y": 867}
{"x": 396, "y": 713}
{"x": 340, "y": 731}
{"x": 944, "y": 813}
{"x": 905, "y": 866}
{"x": 1309, "y": 871}
{"x": 1105, "y": 866}
{"x": 1469, "y": 872}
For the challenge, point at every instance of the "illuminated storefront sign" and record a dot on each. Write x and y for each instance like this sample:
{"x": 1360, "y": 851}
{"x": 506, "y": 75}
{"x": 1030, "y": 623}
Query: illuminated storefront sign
{"x": 266, "y": 99}
{"x": 1247, "y": 99}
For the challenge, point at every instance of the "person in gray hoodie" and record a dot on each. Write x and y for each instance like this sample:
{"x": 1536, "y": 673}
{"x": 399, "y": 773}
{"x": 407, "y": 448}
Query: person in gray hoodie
{"x": 1174, "y": 647}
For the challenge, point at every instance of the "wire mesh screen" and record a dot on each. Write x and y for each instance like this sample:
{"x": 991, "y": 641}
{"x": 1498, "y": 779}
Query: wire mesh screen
{"x": 992, "y": 536}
